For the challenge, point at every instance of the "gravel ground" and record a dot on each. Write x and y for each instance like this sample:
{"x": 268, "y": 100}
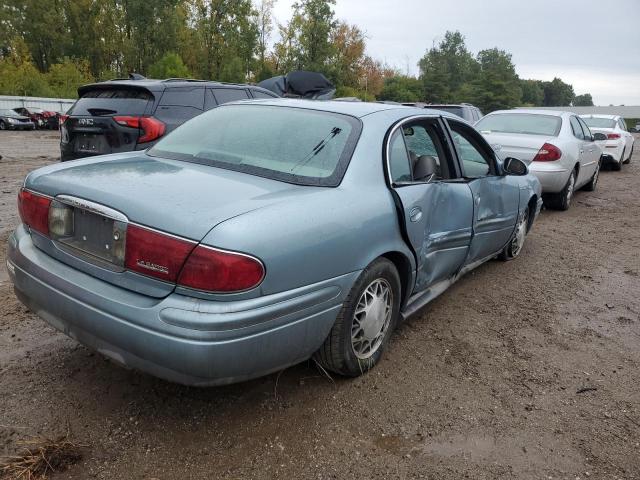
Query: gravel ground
{"x": 484, "y": 383}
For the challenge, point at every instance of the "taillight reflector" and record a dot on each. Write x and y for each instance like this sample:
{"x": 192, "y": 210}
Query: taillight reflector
{"x": 62, "y": 119}
{"x": 34, "y": 210}
{"x": 613, "y": 136}
{"x": 216, "y": 270}
{"x": 152, "y": 128}
{"x": 548, "y": 153}
{"x": 155, "y": 254}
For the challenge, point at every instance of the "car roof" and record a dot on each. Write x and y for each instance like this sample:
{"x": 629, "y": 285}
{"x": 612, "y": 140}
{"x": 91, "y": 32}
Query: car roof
{"x": 535, "y": 111}
{"x": 599, "y": 115}
{"x": 154, "y": 85}
{"x": 354, "y": 109}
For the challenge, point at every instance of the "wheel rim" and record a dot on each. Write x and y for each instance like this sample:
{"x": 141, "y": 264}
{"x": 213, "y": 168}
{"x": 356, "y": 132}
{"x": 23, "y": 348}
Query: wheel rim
{"x": 521, "y": 234}
{"x": 371, "y": 319}
{"x": 2, "y": 127}
{"x": 570, "y": 185}
{"x": 595, "y": 175}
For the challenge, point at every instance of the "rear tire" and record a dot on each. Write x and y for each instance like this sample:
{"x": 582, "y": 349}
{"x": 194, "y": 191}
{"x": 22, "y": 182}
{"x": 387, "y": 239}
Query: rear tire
{"x": 562, "y": 200}
{"x": 514, "y": 247}
{"x": 617, "y": 166}
{"x": 369, "y": 315}
{"x": 3, "y": 126}
{"x": 591, "y": 186}
{"x": 628, "y": 160}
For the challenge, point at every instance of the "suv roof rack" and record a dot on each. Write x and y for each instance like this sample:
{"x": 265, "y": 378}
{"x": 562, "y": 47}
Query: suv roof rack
{"x": 178, "y": 79}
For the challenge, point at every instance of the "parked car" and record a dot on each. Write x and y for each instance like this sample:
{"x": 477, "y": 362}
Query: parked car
{"x": 618, "y": 146}
{"x": 125, "y": 115}
{"x": 464, "y": 110}
{"x": 10, "y": 120}
{"x": 292, "y": 228}
{"x": 558, "y": 147}
{"x": 40, "y": 117}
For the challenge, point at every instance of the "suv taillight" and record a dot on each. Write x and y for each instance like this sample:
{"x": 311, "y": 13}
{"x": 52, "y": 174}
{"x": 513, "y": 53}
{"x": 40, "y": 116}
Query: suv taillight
{"x": 34, "y": 210}
{"x": 548, "y": 153}
{"x": 152, "y": 128}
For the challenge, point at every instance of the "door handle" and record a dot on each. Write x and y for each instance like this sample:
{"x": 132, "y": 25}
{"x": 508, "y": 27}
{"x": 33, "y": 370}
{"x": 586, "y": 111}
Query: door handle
{"x": 415, "y": 214}
{"x": 581, "y": 151}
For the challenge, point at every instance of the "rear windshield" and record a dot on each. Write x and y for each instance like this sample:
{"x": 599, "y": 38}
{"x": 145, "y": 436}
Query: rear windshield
{"x": 112, "y": 101}
{"x": 530, "y": 124}
{"x": 455, "y": 110}
{"x": 595, "y": 122}
{"x": 294, "y": 145}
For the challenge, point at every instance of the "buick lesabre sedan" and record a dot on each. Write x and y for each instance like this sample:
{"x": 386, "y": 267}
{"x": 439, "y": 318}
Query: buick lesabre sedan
{"x": 291, "y": 229}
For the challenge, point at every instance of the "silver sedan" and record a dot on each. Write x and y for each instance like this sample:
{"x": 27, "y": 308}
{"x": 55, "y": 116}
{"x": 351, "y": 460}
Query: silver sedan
{"x": 558, "y": 147}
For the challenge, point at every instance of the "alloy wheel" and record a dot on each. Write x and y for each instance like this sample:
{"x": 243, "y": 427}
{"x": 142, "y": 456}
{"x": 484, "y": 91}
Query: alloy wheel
{"x": 570, "y": 187}
{"x": 521, "y": 234}
{"x": 371, "y": 319}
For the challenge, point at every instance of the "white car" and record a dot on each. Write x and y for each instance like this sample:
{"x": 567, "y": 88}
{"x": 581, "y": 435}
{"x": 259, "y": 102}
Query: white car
{"x": 557, "y": 146}
{"x": 618, "y": 147}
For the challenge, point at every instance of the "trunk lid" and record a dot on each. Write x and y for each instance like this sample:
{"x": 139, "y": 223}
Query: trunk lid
{"x": 180, "y": 198}
{"x": 521, "y": 146}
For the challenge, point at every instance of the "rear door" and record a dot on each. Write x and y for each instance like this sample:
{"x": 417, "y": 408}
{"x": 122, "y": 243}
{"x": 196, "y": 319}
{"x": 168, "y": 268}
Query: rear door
{"x": 91, "y": 129}
{"x": 496, "y": 197}
{"x": 587, "y": 149}
{"x": 438, "y": 214}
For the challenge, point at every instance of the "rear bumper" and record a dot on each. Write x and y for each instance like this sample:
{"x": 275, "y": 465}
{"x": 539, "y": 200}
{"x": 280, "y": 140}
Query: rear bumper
{"x": 178, "y": 338}
{"x": 553, "y": 177}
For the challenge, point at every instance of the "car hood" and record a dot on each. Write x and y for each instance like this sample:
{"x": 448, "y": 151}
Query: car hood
{"x": 521, "y": 146}
{"x": 181, "y": 198}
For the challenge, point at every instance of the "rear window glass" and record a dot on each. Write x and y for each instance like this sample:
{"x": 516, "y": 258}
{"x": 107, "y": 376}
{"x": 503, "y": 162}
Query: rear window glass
{"x": 112, "y": 101}
{"x": 294, "y": 145}
{"x": 530, "y": 124}
{"x": 455, "y": 110}
{"x": 595, "y": 122}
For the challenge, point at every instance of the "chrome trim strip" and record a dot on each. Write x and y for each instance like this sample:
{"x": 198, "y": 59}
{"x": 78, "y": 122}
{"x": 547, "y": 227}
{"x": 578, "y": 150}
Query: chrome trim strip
{"x": 161, "y": 232}
{"x": 92, "y": 207}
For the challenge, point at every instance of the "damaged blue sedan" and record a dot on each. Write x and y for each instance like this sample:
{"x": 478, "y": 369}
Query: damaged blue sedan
{"x": 263, "y": 233}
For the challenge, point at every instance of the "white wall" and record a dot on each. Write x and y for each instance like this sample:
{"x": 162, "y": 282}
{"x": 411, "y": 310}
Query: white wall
{"x": 623, "y": 111}
{"x": 55, "y": 104}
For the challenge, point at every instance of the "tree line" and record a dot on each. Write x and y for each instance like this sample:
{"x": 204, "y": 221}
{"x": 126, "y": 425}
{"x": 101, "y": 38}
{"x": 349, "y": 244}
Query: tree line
{"x": 49, "y": 48}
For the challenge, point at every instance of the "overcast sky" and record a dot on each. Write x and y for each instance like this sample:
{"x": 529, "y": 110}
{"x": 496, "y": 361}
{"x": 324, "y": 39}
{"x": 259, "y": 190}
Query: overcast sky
{"x": 591, "y": 44}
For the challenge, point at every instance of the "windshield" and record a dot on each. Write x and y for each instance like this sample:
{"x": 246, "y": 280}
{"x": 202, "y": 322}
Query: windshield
{"x": 530, "y": 124}
{"x": 294, "y": 145}
{"x": 596, "y": 122}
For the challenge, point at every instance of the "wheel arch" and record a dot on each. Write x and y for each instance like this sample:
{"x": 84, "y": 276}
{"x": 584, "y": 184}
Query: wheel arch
{"x": 533, "y": 205}
{"x": 405, "y": 271}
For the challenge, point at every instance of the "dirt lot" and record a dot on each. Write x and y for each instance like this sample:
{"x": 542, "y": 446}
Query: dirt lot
{"x": 483, "y": 384}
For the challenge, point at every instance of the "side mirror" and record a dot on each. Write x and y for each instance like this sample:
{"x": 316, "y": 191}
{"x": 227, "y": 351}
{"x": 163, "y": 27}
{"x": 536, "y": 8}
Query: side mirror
{"x": 425, "y": 168}
{"x": 597, "y": 137}
{"x": 515, "y": 166}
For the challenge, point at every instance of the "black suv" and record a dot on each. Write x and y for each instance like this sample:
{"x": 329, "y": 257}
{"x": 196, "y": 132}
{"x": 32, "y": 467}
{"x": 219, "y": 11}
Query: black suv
{"x": 464, "y": 110}
{"x": 132, "y": 114}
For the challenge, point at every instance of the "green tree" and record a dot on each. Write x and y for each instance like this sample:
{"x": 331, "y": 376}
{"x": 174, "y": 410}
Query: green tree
{"x": 401, "y": 88}
{"x": 497, "y": 85}
{"x": 532, "y": 93}
{"x": 557, "y": 93}
{"x": 446, "y": 68}
{"x": 584, "y": 100}
{"x": 169, "y": 66}
{"x": 64, "y": 78}
{"x": 315, "y": 29}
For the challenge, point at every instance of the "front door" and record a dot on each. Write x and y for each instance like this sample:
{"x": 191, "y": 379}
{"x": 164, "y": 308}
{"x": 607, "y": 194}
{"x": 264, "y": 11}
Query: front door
{"x": 496, "y": 196}
{"x": 438, "y": 213}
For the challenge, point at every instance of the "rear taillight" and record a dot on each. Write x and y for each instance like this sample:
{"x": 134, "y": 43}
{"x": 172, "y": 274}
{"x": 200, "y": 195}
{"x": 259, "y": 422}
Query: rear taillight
{"x": 216, "y": 270}
{"x": 152, "y": 128}
{"x": 613, "y": 136}
{"x": 34, "y": 211}
{"x": 62, "y": 119}
{"x": 548, "y": 153}
{"x": 155, "y": 254}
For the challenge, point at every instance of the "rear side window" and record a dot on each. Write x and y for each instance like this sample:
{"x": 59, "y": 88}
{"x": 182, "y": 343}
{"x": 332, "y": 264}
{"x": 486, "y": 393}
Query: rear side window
{"x": 226, "y": 95}
{"x": 529, "y": 124}
{"x": 576, "y": 128}
{"x": 184, "y": 97}
{"x": 112, "y": 101}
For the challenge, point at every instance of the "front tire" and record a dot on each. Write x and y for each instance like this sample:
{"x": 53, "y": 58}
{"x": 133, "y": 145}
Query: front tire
{"x": 3, "y": 126}
{"x": 365, "y": 323}
{"x": 514, "y": 247}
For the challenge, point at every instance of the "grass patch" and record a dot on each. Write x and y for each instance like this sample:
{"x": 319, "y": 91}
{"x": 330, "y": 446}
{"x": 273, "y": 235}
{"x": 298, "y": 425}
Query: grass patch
{"x": 40, "y": 458}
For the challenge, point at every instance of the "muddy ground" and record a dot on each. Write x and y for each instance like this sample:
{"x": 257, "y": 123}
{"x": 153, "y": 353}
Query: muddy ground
{"x": 483, "y": 384}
